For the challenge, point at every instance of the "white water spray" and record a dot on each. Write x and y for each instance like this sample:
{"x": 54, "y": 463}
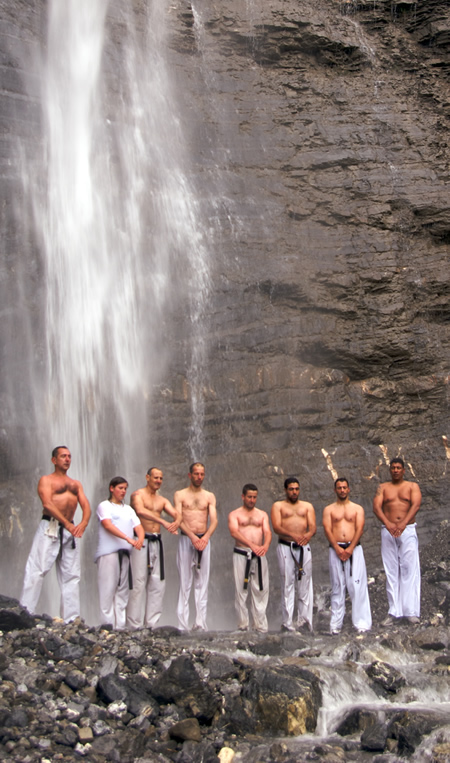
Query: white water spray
{"x": 116, "y": 217}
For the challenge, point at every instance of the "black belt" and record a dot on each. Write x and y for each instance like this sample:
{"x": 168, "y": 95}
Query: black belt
{"x": 293, "y": 545}
{"x": 61, "y": 531}
{"x": 199, "y": 553}
{"x": 344, "y": 546}
{"x": 124, "y": 552}
{"x": 155, "y": 538}
{"x": 250, "y": 555}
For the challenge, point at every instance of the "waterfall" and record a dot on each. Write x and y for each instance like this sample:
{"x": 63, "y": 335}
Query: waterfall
{"x": 119, "y": 231}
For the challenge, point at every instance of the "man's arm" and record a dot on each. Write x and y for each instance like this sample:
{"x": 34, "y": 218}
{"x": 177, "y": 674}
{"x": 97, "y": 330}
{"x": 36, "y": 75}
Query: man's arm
{"x": 267, "y": 534}
{"x": 328, "y": 529}
{"x": 78, "y": 530}
{"x": 378, "y": 503}
{"x": 169, "y": 509}
{"x": 304, "y": 539}
{"x": 416, "y": 499}
{"x": 275, "y": 516}
{"x": 359, "y": 527}
{"x": 213, "y": 522}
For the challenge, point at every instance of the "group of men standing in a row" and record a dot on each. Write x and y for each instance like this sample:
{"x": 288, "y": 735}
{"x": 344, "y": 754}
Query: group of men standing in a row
{"x": 130, "y": 555}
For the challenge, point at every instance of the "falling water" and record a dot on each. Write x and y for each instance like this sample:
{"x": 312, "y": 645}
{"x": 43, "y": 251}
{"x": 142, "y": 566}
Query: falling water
{"x": 116, "y": 216}
{"x": 119, "y": 227}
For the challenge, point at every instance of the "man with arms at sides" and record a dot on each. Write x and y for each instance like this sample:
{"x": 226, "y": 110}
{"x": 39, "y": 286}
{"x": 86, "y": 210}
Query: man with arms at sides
{"x": 119, "y": 528}
{"x": 250, "y": 529}
{"x": 343, "y": 522}
{"x": 197, "y": 508}
{"x": 396, "y": 504}
{"x": 148, "y": 565}
{"x": 294, "y": 522}
{"x": 56, "y": 539}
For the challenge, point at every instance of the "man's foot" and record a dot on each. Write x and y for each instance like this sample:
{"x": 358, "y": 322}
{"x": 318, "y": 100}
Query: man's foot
{"x": 287, "y": 629}
{"x": 243, "y": 629}
{"x": 335, "y": 631}
{"x": 413, "y": 619}
{"x": 198, "y": 628}
{"x": 388, "y": 621}
{"x": 362, "y": 630}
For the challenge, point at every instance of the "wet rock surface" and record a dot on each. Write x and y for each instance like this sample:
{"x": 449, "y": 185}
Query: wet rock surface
{"x": 74, "y": 691}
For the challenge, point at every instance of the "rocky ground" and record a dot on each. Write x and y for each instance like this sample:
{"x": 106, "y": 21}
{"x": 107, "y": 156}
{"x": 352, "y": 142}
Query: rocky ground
{"x": 73, "y": 691}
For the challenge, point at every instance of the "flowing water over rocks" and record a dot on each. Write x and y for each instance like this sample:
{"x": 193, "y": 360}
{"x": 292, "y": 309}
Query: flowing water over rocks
{"x": 73, "y": 691}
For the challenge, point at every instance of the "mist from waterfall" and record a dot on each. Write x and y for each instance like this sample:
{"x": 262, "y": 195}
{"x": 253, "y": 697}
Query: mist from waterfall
{"x": 118, "y": 228}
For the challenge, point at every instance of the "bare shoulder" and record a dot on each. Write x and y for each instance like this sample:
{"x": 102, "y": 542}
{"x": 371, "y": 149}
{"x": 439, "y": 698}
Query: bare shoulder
{"x": 356, "y": 507}
{"x": 329, "y": 508}
{"x": 210, "y": 497}
{"x": 307, "y": 505}
{"x": 277, "y": 505}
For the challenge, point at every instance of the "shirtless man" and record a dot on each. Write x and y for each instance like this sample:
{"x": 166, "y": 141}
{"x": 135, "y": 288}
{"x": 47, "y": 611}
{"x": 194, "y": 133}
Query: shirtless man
{"x": 250, "y": 529}
{"x": 396, "y": 504}
{"x": 147, "y": 566}
{"x": 294, "y": 522}
{"x": 197, "y": 507}
{"x": 55, "y": 538}
{"x": 343, "y": 522}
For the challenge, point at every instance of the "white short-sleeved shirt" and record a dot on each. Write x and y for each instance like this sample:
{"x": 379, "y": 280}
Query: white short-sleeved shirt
{"x": 124, "y": 518}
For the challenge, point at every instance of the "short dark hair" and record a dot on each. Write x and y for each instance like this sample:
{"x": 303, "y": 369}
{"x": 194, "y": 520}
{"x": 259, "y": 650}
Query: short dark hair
{"x": 248, "y": 487}
{"x": 397, "y": 460}
{"x": 290, "y": 481}
{"x": 341, "y": 479}
{"x": 58, "y": 448}
{"x": 196, "y": 463}
{"x": 117, "y": 481}
{"x": 149, "y": 471}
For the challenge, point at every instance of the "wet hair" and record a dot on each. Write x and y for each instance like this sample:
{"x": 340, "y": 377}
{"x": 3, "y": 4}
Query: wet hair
{"x": 341, "y": 479}
{"x": 196, "y": 463}
{"x": 290, "y": 481}
{"x": 397, "y": 460}
{"x": 248, "y": 487}
{"x": 149, "y": 471}
{"x": 57, "y": 449}
{"x": 117, "y": 481}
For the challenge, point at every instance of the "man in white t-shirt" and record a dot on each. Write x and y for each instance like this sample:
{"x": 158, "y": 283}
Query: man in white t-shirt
{"x": 118, "y": 525}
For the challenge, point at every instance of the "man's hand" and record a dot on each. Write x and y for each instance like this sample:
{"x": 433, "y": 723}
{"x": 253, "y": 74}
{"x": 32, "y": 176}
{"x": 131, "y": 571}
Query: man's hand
{"x": 259, "y": 550}
{"x": 200, "y": 543}
{"x": 77, "y": 530}
{"x": 343, "y": 553}
{"x": 302, "y": 540}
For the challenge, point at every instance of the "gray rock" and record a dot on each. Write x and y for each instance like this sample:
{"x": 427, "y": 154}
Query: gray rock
{"x": 386, "y": 676}
{"x": 374, "y": 737}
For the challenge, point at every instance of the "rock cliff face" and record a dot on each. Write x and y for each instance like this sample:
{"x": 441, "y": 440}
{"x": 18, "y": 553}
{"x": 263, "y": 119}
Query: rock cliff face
{"x": 318, "y": 144}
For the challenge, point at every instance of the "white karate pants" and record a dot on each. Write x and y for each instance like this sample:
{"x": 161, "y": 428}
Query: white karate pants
{"x": 401, "y": 565}
{"x": 290, "y": 584}
{"x": 113, "y": 589}
{"x": 356, "y": 584}
{"x": 187, "y": 557}
{"x": 45, "y": 552}
{"x": 258, "y": 599}
{"x": 146, "y": 597}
